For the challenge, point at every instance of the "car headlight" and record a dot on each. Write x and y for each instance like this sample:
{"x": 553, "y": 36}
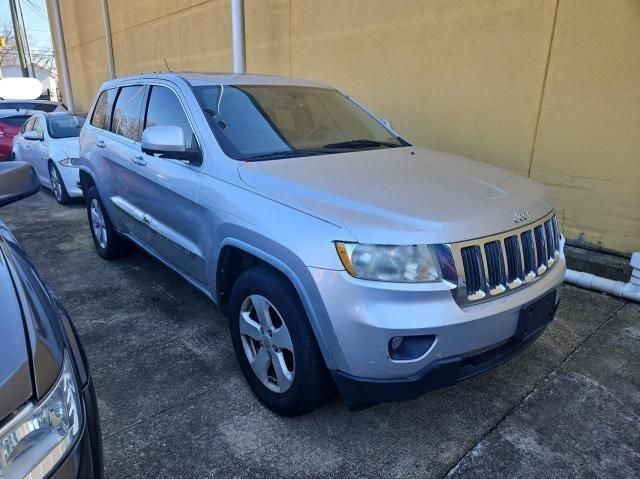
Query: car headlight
{"x": 397, "y": 264}
{"x": 35, "y": 440}
{"x": 71, "y": 162}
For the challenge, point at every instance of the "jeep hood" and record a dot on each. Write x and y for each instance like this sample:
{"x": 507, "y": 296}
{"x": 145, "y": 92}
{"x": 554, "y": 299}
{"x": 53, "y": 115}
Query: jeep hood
{"x": 400, "y": 195}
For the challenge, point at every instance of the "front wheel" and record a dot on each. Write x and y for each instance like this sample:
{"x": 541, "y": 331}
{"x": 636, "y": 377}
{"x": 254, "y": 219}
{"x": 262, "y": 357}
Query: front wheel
{"x": 275, "y": 345}
{"x": 57, "y": 185}
{"x": 109, "y": 244}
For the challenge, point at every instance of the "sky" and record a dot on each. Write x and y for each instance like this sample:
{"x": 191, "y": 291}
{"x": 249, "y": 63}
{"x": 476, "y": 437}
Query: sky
{"x": 35, "y": 19}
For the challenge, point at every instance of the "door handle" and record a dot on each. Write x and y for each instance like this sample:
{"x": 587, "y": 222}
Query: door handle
{"x": 139, "y": 160}
{"x": 100, "y": 143}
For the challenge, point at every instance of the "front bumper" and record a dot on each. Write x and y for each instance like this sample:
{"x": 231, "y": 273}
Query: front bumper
{"x": 439, "y": 374}
{"x": 366, "y": 315}
{"x": 71, "y": 179}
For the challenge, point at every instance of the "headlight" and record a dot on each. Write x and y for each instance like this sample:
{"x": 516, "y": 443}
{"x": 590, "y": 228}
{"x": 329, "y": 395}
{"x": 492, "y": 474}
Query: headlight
{"x": 71, "y": 162}
{"x": 398, "y": 264}
{"x": 33, "y": 442}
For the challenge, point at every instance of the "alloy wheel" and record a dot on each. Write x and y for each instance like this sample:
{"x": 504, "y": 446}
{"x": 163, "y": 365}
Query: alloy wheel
{"x": 56, "y": 183}
{"x": 266, "y": 343}
{"x": 98, "y": 224}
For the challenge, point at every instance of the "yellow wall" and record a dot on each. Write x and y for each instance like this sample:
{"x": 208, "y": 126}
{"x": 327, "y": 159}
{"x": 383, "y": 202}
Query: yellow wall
{"x": 546, "y": 88}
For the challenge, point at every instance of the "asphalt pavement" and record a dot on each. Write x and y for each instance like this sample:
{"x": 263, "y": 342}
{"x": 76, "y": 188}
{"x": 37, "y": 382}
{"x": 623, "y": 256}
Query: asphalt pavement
{"x": 173, "y": 403}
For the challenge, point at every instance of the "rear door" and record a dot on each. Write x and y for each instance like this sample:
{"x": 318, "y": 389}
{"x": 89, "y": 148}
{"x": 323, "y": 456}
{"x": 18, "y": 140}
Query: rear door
{"x": 168, "y": 189}
{"x": 20, "y": 145}
{"x": 121, "y": 150}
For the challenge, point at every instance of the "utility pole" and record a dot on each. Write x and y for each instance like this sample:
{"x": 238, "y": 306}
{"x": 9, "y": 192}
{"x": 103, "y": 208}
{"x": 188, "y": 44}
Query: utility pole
{"x": 62, "y": 55}
{"x": 19, "y": 36}
{"x": 27, "y": 47}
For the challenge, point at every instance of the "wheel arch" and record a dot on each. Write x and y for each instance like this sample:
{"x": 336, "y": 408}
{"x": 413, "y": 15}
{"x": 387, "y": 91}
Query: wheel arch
{"x": 86, "y": 181}
{"x": 233, "y": 252}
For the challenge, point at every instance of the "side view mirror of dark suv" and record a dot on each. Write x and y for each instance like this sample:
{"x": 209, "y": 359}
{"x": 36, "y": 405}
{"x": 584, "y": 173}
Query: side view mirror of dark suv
{"x": 17, "y": 181}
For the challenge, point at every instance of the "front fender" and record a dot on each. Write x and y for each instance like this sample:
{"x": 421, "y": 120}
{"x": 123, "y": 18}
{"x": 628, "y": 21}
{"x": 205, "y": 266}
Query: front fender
{"x": 289, "y": 264}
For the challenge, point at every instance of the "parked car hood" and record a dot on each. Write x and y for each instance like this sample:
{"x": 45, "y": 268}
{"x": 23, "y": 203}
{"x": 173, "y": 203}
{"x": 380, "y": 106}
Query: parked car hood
{"x": 15, "y": 375}
{"x": 67, "y": 147}
{"x": 400, "y": 195}
{"x": 31, "y": 342}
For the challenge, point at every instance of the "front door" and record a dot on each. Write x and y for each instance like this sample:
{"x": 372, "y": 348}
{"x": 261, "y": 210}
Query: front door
{"x": 168, "y": 195}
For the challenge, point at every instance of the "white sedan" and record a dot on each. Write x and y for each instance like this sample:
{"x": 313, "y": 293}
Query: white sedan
{"x": 49, "y": 141}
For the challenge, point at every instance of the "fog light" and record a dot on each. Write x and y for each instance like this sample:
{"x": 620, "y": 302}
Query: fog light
{"x": 406, "y": 348}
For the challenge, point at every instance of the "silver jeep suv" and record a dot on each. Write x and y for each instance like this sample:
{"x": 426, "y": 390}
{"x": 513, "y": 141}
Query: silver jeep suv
{"x": 343, "y": 255}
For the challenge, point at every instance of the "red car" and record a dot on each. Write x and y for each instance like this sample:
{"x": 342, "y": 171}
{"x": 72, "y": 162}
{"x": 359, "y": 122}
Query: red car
{"x": 10, "y": 124}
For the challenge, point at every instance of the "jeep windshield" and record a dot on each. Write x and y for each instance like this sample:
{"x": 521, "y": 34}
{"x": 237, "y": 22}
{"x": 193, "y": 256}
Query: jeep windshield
{"x": 266, "y": 122}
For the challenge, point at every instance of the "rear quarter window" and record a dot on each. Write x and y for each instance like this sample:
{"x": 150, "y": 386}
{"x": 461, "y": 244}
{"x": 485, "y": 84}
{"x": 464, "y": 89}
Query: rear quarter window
{"x": 101, "y": 117}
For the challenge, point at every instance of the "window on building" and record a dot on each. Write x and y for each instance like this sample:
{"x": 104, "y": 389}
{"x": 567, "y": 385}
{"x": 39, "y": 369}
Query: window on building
{"x": 127, "y": 112}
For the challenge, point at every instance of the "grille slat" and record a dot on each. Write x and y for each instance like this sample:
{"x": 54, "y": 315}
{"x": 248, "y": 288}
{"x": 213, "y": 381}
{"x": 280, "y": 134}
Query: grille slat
{"x": 514, "y": 258}
{"x": 503, "y": 263}
{"x": 551, "y": 239}
{"x": 529, "y": 252}
{"x": 556, "y": 231}
{"x": 495, "y": 264}
{"x": 473, "y": 268}
{"x": 541, "y": 246}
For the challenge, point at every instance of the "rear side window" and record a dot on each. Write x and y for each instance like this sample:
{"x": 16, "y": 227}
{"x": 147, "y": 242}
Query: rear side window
{"x": 164, "y": 109}
{"x": 101, "y": 117}
{"x": 127, "y": 112}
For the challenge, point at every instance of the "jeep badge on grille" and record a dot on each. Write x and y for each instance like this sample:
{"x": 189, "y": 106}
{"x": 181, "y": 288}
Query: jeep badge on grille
{"x": 521, "y": 216}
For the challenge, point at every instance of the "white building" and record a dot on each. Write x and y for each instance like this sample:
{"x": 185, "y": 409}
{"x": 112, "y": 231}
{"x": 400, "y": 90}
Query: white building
{"x": 47, "y": 78}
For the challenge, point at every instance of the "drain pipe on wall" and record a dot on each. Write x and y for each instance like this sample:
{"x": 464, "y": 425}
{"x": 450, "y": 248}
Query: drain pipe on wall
{"x": 62, "y": 56}
{"x": 106, "y": 24}
{"x": 237, "y": 32}
{"x": 630, "y": 290}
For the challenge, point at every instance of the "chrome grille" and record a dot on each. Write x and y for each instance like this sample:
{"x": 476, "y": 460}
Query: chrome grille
{"x": 490, "y": 267}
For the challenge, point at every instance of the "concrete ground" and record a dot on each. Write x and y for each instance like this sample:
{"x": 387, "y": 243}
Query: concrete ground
{"x": 173, "y": 402}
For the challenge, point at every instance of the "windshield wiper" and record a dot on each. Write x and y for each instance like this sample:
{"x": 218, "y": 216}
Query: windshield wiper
{"x": 361, "y": 143}
{"x": 282, "y": 154}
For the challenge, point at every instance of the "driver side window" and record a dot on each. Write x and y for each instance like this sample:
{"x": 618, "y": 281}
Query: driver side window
{"x": 164, "y": 109}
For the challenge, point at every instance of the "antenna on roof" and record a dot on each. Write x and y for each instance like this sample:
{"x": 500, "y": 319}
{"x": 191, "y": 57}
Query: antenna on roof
{"x": 167, "y": 65}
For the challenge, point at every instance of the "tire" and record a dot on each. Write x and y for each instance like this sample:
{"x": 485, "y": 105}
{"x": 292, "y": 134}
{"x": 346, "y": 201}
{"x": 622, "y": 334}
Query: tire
{"x": 57, "y": 185}
{"x": 310, "y": 385}
{"x": 109, "y": 244}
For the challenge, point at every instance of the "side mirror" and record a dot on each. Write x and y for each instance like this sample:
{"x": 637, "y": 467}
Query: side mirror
{"x": 32, "y": 135}
{"x": 386, "y": 123}
{"x": 17, "y": 181}
{"x": 163, "y": 140}
{"x": 168, "y": 142}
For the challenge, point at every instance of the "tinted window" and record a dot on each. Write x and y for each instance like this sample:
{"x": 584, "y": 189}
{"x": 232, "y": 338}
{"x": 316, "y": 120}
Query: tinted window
{"x": 164, "y": 109}
{"x": 102, "y": 112}
{"x": 15, "y": 121}
{"x": 46, "y": 107}
{"x": 37, "y": 126}
{"x": 64, "y": 126}
{"x": 127, "y": 112}
{"x": 29, "y": 124}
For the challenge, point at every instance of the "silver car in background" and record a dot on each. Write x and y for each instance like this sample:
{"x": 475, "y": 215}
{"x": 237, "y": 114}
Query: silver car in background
{"x": 342, "y": 254}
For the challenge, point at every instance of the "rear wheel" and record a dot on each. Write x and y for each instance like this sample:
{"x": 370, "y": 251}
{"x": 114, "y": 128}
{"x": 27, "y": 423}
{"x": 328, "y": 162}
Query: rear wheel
{"x": 57, "y": 185}
{"x": 109, "y": 244}
{"x": 275, "y": 345}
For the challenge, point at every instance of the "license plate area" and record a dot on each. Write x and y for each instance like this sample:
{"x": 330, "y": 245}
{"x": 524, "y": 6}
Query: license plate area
{"x": 536, "y": 315}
